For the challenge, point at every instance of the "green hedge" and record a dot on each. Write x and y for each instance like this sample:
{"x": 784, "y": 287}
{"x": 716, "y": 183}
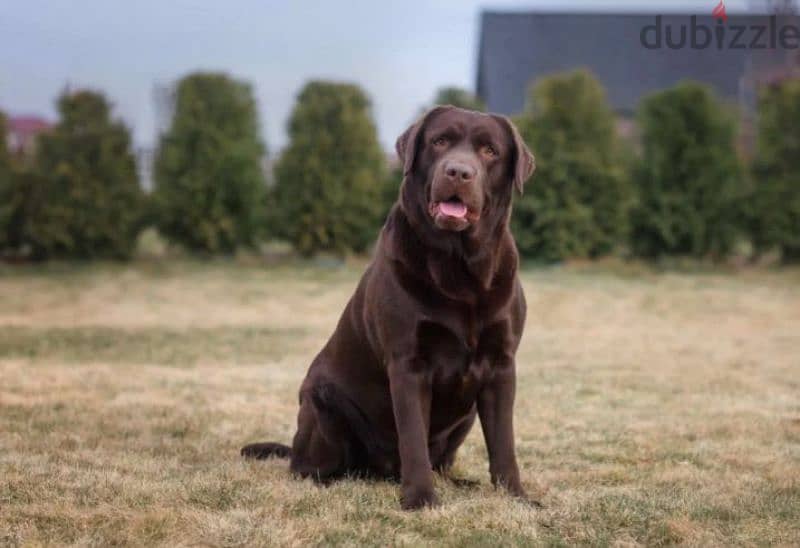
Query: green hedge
{"x": 689, "y": 180}
{"x": 775, "y": 202}
{"x": 8, "y": 203}
{"x": 328, "y": 194}
{"x": 458, "y": 97}
{"x": 576, "y": 205}
{"x": 80, "y": 199}
{"x": 210, "y": 187}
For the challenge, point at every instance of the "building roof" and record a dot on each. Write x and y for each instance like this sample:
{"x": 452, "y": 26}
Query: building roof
{"x": 517, "y": 48}
{"x": 27, "y": 125}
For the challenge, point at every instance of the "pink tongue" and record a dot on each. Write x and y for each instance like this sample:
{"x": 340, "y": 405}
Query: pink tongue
{"x": 453, "y": 209}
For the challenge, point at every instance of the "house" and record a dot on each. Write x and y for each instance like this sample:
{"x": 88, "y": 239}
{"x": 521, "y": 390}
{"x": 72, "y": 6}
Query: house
{"x": 21, "y": 133}
{"x": 622, "y": 51}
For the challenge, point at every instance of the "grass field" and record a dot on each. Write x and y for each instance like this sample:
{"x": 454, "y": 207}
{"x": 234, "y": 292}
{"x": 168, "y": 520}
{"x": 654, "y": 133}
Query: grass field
{"x": 652, "y": 408}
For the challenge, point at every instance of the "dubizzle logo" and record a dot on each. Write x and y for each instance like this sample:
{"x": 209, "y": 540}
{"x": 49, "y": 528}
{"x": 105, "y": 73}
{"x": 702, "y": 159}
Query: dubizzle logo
{"x": 719, "y": 12}
{"x": 766, "y": 34}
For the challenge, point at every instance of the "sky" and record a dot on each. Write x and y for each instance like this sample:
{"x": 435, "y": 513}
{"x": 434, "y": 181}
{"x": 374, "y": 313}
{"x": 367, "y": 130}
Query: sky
{"x": 398, "y": 52}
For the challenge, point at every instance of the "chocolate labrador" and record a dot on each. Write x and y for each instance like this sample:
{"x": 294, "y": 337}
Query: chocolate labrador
{"x": 427, "y": 342}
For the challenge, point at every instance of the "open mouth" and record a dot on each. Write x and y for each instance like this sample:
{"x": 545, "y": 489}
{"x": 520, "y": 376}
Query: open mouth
{"x": 451, "y": 214}
{"x": 452, "y": 207}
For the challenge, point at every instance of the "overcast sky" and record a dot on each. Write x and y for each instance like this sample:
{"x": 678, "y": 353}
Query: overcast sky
{"x": 399, "y": 52}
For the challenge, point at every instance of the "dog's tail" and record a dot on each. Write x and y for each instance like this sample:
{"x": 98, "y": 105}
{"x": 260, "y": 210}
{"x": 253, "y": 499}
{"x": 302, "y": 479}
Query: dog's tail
{"x": 266, "y": 450}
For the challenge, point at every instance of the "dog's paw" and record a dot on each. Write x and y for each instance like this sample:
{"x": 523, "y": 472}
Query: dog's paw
{"x": 417, "y": 498}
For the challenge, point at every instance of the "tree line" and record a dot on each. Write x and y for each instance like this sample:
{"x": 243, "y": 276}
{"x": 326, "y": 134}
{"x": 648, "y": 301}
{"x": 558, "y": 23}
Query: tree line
{"x": 678, "y": 187}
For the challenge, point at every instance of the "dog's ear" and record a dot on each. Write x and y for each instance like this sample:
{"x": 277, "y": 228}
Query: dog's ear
{"x": 524, "y": 161}
{"x": 407, "y": 144}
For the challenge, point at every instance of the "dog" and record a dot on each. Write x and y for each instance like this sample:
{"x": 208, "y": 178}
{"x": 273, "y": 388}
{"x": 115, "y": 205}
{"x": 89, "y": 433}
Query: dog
{"x": 428, "y": 339}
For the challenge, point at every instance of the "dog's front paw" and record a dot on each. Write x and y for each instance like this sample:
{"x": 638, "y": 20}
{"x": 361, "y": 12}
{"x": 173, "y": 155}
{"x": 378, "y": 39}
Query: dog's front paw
{"x": 415, "y": 498}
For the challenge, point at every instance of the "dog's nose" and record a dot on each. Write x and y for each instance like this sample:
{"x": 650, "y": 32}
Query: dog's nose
{"x": 459, "y": 172}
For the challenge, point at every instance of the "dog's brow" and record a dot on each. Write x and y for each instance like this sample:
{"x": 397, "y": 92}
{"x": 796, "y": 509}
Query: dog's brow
{"x": 450, "y": 130}
{"x": 483, "y": 135}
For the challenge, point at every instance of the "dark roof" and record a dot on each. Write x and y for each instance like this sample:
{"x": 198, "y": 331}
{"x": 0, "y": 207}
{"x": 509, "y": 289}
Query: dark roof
{"x": 516, "y": 48}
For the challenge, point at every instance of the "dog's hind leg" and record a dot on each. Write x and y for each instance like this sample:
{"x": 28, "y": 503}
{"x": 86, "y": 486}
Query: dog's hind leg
{"x": 322, "y": 448}
{"x": 330, "y": 437}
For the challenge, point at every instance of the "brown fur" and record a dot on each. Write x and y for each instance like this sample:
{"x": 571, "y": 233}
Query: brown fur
{"x": 428, "y": 340}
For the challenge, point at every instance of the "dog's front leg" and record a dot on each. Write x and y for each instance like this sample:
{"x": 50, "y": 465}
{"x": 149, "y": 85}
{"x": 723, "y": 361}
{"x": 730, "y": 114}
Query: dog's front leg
{"x": 496, "y": 411}
{"x": 411, "y": 402}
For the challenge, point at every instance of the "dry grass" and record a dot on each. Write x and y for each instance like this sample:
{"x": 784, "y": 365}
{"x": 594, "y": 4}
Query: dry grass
{"x": 652, "y": 409}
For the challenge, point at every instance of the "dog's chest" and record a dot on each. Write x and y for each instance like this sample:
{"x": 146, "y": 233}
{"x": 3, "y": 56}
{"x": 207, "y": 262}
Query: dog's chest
{"x": 462, "y": 352}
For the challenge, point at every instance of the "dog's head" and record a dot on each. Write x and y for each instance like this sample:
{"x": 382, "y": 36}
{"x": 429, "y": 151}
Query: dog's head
{"x": 460, "y": 168}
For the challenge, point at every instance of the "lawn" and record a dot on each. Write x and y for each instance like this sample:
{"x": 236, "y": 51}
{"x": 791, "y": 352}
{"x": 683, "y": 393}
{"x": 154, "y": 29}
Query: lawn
{"x": 652, "y": 408}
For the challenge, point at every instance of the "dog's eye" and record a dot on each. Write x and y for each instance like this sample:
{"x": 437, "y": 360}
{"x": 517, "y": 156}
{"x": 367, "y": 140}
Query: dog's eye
{"x": 489, "y": 150}
{"x": 440, "y": 142}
